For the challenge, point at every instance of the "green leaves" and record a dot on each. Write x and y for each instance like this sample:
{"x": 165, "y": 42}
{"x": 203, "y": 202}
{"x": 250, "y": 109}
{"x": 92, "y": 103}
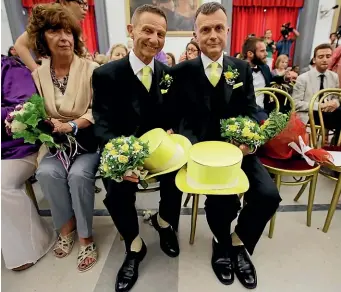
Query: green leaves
{"x": 32, "y": 112}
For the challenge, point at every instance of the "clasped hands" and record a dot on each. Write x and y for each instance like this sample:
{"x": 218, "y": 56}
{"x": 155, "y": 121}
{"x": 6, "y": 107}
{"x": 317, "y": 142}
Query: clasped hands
{"x": 329, "y": 106}
{"x": 60, "y": 127}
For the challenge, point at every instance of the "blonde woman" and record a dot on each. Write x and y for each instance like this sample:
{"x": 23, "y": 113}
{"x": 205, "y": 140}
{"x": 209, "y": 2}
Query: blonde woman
{"x": 101, "y": 59}
{"x": 118, "y": 52}
{"x": 281, "y": 66}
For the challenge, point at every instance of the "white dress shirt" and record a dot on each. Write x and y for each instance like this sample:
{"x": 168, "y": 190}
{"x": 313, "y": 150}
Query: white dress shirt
{"x": 259, "y": 82}
{"x": 206, "y": 61}
{"x": 137, "y": 65}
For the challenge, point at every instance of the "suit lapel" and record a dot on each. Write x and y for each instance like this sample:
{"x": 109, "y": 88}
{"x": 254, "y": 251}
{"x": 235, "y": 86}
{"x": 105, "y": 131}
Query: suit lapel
{"x": 202, "y": 82}
{"x": 228, "y": 89}
{"x": 155, "y": 89}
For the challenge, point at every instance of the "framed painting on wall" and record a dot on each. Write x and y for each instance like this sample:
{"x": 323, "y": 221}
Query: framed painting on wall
{"x": 180, "y": 14}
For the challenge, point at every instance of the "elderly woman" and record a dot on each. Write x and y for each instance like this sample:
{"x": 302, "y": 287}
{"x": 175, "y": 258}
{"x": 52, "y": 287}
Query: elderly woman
{"x": 55, "y": 33}
{"x": 78, "y": 8}
{"x": 26, "y": 237}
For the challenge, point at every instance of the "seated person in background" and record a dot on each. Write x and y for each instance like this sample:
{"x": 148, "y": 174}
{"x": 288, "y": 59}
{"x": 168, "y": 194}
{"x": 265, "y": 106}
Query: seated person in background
{"x": 64, "y": 80}
{"x": 296, "y": 69}
{"x": 101, "y": 59}
{"x": 281, "y": 66}
{"x": 118, "y": 52}
{"x": 192, "y": 51}
{"x": 26, "y": 237}
{"x": 313, "y": 81}
{"x": 254, "y": 52}
{"x": 12, "y": 52}
{"x": 170, "y": 60}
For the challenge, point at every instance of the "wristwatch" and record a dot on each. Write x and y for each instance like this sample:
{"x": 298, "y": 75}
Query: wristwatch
{"x": 74, "y": 127}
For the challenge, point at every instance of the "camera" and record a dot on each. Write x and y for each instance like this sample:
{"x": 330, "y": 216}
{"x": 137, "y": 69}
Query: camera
{"x": 286, "y": 29}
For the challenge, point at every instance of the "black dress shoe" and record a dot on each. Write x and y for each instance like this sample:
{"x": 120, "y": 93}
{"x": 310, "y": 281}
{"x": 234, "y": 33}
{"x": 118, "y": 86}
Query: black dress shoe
{"x": 168, "y": 239}
{"x": 222, "y": 263}
{"x": 244, "y": 268}
{"x": 129, "y": 271}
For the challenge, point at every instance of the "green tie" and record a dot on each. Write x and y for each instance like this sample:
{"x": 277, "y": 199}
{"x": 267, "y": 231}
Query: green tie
{"x": 146, "y": 78}
{"x": 214, "y": 76}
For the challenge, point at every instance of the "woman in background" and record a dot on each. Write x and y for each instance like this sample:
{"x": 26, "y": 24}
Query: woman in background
{"x": 192, "y": 51}
{"x": 270, "y": 47}
{"x": 64, "y": 79}
{"x": 12, "y": 52}
{"x": 78, "y": 8}
{"x": 26, "y": 237}
{"x": 118, "y": 52}
{"x": 170, "y": 60}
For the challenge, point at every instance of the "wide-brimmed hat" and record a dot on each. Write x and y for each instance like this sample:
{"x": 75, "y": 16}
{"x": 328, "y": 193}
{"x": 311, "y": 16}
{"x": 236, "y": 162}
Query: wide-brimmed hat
{"x": 168, "y": 153}
{"x": 213, "y": 168}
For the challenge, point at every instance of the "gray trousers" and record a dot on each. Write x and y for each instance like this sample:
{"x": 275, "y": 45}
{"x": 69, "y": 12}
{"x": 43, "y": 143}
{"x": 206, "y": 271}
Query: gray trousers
{"x": 70, "y": 193}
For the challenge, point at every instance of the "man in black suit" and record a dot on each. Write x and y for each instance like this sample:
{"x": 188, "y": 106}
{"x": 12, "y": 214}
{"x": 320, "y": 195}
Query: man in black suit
{"x": 128, "y": 101}
{"x": 205, "y": 96}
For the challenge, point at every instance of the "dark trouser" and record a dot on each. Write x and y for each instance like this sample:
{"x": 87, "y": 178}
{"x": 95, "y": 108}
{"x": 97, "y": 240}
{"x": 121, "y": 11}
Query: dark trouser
{"x": 262, "y": 201}
{"x": 120, "y": 202}
{"x": 332, "y": 121}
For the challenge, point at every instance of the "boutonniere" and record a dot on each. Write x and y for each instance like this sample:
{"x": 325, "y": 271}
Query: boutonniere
{"x": 231, "y": 75}
{"x": 166, "y": 82}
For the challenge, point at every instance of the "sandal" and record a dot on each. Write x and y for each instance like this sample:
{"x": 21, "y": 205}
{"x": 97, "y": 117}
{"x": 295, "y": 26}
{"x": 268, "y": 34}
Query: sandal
{"x": 64, "y": 244}
{"x": 87, "y": 252}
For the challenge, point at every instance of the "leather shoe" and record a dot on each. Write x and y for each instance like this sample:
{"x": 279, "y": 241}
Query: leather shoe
{"x": 168, "y": 239}
{"x": 129, "y": 271}
{"x": 244, "y": 268}
{"x": 222, "y": 263}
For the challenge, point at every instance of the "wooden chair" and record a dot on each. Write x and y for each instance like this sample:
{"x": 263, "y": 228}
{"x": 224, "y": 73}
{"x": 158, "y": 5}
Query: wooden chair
{"x": 337, "y": 169}
{"x": 294, "y": 167}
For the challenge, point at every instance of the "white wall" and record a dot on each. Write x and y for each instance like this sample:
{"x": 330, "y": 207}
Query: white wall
{"x": 323, "y": 25}
{"x": 116, "y": 16}
{"x": 6, "y": 36}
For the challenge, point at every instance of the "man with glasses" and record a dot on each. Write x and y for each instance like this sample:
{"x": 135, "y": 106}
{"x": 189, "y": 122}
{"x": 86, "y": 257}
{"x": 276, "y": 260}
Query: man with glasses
{"x": 78, "y": 8}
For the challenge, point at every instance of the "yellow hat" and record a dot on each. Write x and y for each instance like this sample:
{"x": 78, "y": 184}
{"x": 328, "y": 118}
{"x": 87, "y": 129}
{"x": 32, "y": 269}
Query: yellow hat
{"x": 213, "y": 168}
{"x": 168, "y": 153}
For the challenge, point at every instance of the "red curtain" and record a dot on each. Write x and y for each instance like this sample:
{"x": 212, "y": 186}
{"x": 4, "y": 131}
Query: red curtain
{"x": 269, "y": 3}
{"x": 256, "y": 19}
{"x": 88, "y": 25}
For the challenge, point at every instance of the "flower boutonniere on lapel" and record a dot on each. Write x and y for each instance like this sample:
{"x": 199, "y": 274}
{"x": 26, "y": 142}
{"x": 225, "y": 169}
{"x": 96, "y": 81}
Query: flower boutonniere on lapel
{"x": 231, "y": 75}
{"x": 165, "y": 83}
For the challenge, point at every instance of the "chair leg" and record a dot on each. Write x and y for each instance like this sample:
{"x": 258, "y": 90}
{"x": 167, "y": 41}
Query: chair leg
{"x": 299, "y": 194}
{"x": 31, "y": 194}
{"x": 273, "y": 219}
{"x": 187, "y": 200}
{"x": 333, "y": 204}
{"x": 195, "y": 207}
{"x": 312, "y": 190}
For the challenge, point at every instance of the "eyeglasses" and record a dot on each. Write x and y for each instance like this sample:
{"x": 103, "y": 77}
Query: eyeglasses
{"x": 81, "y": 4}
{"x": 191, "y": 50}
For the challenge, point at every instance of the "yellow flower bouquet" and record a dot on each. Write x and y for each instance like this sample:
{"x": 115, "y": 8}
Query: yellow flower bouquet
{"x": 124, "y": 156}
{"x": 242, "y": 130}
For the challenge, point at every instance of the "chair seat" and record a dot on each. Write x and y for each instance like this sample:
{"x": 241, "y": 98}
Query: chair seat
{"x": 294, "y": 164}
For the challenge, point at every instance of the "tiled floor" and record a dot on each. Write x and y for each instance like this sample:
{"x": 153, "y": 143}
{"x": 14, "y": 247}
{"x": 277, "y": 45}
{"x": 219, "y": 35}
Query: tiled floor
{"x": 297, "y": 259}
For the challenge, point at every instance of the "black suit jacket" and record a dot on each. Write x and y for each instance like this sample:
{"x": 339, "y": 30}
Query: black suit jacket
{"x": 121, "y": 103}
{"x": 266, "y": 74}
{"x": 194, "y": 102}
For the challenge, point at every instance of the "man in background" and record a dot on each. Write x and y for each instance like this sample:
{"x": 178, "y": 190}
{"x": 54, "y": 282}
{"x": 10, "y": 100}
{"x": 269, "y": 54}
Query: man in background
{"x": 284, "y": 46}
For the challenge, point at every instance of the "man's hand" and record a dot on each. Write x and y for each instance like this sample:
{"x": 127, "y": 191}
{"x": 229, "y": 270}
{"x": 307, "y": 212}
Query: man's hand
{"x": 244, "y": 148}
{"x": 133, "y": 178}
{"x": 329, "y": 106}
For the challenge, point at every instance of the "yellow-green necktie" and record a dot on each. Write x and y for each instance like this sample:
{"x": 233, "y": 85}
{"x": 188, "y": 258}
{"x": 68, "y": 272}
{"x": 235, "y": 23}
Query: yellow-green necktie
{"x": 214, "y": 76}
{"x": 146, "y": 78}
